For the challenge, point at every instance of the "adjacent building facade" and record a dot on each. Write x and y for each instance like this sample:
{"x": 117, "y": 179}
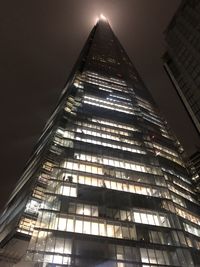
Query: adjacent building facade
{"x": 182, "y": 60}
{"x": 106, "y": 185}
{"x": 194, "y": 163}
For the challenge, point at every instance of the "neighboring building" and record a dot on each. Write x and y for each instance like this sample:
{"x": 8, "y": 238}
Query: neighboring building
{"x": 182, "y": 60}
{"x": 195, "y": 170}
{"x": 106, "y": 185}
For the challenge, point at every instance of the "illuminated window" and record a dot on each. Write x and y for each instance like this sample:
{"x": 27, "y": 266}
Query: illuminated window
{"x": 48, "y": 166}
{"x": 68, "y": 191}
{"x": 108, "y": 104}
{"x": 26, "y": 225}
{"x": 192, "y": 229}
{"x": 38, "y": 192}
{"x": 62, "y": 224}
{"x": 156, "y": 257}
{"x": 150, "y": 218}
{"x": 187, "y": 215}
{"x": 32, "y": 206}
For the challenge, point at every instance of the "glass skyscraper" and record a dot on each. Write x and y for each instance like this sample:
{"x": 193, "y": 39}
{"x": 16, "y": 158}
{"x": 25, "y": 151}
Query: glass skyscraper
{"x": 182, "y": 59}
{"x": 106, "y": 185}
{"x": 194, "y": 163}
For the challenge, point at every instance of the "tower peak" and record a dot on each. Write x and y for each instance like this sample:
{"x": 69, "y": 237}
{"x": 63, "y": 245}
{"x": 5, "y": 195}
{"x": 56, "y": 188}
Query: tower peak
{"x": 101, "y": 17}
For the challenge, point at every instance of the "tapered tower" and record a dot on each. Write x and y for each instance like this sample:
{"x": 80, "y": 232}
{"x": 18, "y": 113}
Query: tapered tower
{"x": 106, "y": 184}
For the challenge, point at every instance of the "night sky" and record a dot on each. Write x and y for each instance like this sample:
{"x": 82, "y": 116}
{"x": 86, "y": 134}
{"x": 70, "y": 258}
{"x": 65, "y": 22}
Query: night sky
{"x": 40, "y": 42}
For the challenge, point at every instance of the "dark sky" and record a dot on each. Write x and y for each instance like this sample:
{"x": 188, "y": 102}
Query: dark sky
{"x": 40, "y": 41}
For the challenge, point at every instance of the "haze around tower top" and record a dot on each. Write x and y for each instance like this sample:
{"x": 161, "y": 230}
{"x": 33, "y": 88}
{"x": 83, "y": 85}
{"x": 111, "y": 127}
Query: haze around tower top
{"x": 101, "y": 17}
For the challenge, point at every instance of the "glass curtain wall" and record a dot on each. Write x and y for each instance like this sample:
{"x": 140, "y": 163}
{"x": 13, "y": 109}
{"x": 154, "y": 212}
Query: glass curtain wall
{"x": 121, "y": 182}
{"x": 106, "y": 185}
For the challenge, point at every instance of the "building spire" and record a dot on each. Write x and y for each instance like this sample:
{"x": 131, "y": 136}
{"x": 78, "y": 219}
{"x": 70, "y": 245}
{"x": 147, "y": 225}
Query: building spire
{"x": 101, "y": 17}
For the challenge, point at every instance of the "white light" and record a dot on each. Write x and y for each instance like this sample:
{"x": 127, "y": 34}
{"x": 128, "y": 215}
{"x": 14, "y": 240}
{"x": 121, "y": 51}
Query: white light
{"x": 103, "y": 17}
{"x": 96, "y": 20}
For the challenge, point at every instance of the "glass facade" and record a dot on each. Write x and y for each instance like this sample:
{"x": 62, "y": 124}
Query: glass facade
{"x": 106, "y": 184}
{"x": 194, "y": 165}
{"x": 182, "y": 60}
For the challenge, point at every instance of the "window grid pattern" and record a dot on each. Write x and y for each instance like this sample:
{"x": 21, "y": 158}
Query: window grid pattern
{"x": 89, "y": 171}
{"x": 110, "y": 182}
{"x": 96, "y": 170}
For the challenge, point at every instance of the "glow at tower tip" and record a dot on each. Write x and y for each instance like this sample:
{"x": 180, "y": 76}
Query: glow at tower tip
{"x": 103, "y": 17}
{"x": 96, "y": 20}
